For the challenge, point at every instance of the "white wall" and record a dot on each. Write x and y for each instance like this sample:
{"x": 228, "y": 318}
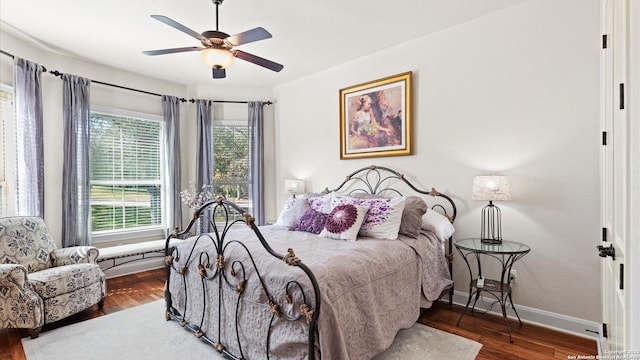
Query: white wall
{"x": 515, "y": 93}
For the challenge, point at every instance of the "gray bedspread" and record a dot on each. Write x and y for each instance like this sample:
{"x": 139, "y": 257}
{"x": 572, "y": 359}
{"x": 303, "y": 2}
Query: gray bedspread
{"x": 369, "y": 289}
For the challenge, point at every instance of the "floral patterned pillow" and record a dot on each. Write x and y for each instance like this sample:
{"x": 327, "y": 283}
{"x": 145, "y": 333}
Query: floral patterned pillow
{"x": 320, "y": 202}
{"x": 383, "y": 218}
{"x": 344, "y": 221}
{"x": 312, "y": 221}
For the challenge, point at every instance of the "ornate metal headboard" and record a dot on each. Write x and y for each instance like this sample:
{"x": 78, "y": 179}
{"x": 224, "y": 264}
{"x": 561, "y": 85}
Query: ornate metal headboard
{"x": 380, "y": 180}
{"x": 383, "y": 181}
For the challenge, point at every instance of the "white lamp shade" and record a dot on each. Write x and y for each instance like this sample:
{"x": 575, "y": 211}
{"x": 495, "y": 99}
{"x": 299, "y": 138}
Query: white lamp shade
{"x": 220, "y": 58}
{"x": 491, "y": 187}
{"x": 295, "y": 187}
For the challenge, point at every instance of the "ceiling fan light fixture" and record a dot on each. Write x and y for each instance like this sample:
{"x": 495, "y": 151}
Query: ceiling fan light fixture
{"x": 217, "y": 58}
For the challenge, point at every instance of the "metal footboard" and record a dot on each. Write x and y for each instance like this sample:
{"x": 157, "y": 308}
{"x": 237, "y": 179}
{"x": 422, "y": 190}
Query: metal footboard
{"x": 221, "y": 274}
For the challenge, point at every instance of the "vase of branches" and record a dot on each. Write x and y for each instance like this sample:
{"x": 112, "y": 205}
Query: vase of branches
{"x": 194, "y": 199}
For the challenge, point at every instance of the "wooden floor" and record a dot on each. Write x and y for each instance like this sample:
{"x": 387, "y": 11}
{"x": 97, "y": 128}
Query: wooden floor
{"x": 530, "y": 342}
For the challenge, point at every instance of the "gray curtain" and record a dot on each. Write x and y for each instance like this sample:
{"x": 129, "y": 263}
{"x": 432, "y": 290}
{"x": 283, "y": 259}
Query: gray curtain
{"x": 256, "y": 160}
{"x": 76, "y": 187}
{"x": 172, "y": 186}
{"x": 204, "y": 150}
{"x": 29, "y": 144}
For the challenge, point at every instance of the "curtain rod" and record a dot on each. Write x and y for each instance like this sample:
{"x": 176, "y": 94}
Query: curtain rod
{"x": 56, "y": 73}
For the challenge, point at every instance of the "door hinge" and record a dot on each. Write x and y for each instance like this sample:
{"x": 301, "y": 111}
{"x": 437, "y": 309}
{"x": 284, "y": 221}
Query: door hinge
{"x": 605, "y": 334}
{"x": 622, "y": 96}
{"x": 604, "y": 138}
{"x": 604, "y": 41}
{"x": 604, "y": 234}
{"x": 603, "y": 252}
{"x": 621, "y": 276}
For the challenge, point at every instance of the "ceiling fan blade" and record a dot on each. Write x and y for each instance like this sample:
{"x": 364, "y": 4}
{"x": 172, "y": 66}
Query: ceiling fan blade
{"x": 258, "y": 60}
{"x": 171, "y": 51}
{"x": 219, "y": 73}
{"x": 248, "y": 36}
{"x": 176, "y": 25}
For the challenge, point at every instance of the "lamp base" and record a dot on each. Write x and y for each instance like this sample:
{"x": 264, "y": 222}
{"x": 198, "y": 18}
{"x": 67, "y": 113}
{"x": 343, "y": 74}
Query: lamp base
{"x": 491, "y": 229}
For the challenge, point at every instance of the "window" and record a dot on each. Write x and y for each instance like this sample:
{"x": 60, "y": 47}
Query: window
{"x": 6, "y": 120}
{"x": 231, "y": 162}
{"x": 126, "y": 174}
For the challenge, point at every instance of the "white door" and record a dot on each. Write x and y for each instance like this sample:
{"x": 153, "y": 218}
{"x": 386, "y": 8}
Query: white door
{"x": 615, "y": 177}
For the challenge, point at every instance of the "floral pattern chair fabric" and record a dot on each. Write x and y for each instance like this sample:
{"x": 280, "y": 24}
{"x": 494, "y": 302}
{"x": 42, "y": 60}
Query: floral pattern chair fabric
{"x": 40, "y": 284}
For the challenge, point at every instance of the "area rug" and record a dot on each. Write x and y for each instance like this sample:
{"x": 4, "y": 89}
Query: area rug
{"x": 142, "y": 333}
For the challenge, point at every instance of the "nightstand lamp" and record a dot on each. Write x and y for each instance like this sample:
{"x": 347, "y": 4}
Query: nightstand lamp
{"x": 491, "y": 188}
{"x": 294, "y": 187}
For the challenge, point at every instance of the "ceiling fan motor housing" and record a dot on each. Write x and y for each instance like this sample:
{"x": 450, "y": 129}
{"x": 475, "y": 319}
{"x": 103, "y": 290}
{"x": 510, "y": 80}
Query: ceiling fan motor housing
{"x": 216, "y": 39}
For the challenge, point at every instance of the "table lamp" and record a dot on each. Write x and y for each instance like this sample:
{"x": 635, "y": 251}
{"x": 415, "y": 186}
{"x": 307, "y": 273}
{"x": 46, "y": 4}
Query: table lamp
{"x": 492, "y": 188}
{"x": 294, "y": 187}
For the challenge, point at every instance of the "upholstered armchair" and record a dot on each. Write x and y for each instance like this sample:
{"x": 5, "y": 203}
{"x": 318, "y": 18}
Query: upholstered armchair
{"x": 40, "y": 284}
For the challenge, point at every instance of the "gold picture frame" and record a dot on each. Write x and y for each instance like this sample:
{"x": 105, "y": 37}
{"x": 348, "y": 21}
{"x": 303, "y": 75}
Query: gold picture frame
{"x": 375, "y": 118}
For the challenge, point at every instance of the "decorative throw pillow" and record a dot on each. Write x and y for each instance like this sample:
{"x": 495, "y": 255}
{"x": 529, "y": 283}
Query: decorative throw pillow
{"x": 291, "y": 212}
{"x": 344, "y": 221}
{"x": 383, "y": 218}
{"x": 414, "y": 209}
{"x": 312, "y": 221}
{"x": 320, "y": 202}
{"x": 438, "y": 224}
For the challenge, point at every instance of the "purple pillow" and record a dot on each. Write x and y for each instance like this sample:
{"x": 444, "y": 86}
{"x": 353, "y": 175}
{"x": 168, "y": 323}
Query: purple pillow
{"x": 312, "y": 221}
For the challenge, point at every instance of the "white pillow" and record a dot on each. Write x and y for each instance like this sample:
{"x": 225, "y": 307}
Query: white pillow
{"x": 291, "y": 212}
{"x": 344, "y": 221}
{"x": 383, "y": 218}
{"x": 438, "y": 224}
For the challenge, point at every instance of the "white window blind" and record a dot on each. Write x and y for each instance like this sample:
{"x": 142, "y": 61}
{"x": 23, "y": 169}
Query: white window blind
{"x": 126, "y": 173}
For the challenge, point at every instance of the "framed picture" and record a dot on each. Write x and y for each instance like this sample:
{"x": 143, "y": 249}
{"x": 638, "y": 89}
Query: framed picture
{"x": 375, "y": 118}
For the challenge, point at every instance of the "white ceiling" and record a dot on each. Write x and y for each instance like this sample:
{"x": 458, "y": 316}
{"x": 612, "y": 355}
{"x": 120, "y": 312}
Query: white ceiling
{"x": 308, "y": 36}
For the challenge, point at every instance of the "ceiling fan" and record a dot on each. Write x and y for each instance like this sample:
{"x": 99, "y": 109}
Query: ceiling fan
{"x": 219, "y": 47}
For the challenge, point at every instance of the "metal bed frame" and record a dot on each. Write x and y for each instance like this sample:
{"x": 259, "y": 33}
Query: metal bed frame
{"x": 230, "y": 274}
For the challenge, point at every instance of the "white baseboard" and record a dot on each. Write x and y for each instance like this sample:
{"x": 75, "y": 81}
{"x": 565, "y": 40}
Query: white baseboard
{"x": 555, "y": 321}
